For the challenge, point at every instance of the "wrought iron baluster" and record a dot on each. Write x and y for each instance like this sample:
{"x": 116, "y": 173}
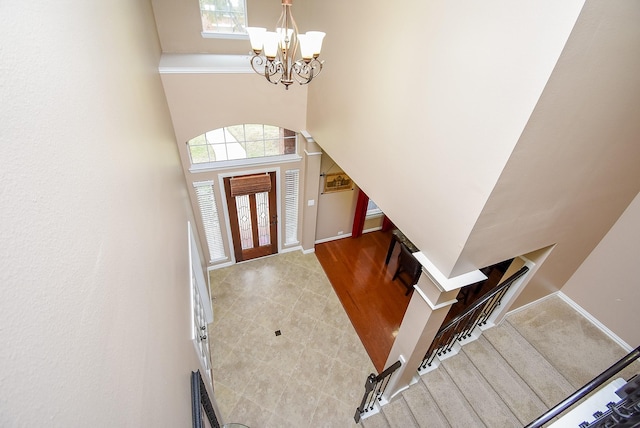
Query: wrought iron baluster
{"x": 374, "y": 388}
{"x": 462, "y": 326}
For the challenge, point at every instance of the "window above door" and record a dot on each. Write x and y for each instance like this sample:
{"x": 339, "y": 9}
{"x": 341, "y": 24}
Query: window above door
{"x": 242, "y": 145}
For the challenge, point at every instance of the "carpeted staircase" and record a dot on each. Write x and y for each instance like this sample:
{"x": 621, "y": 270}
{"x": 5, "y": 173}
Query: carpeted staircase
{"x": 509, "y": 376}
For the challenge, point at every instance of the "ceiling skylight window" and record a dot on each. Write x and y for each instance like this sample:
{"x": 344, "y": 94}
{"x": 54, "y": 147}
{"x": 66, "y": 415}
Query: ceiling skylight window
{"x": 223, "y": 17}
{"x": 241, "y": 142}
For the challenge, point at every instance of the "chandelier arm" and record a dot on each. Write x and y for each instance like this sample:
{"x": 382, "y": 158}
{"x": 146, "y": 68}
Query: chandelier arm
{"x": 304, "y": 72}
{"x": 273, "y": 71}
{"x": 259, "y": 62}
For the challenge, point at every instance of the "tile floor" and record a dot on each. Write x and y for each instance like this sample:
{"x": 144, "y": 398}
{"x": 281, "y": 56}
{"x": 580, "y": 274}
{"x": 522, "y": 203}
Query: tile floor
{"x": 312, "y": 374}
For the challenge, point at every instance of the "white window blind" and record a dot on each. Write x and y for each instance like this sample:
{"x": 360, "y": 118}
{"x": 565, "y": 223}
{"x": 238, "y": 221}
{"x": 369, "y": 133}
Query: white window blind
{"x": 291, "y": 180}
{"x": 210, "y": 219}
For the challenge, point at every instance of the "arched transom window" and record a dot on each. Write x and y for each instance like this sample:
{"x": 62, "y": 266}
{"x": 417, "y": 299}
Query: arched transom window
{"x": 248, "y": 141}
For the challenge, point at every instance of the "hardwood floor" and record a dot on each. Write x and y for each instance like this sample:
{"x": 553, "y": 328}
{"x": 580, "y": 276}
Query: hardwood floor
{"x": 374, "y": 303}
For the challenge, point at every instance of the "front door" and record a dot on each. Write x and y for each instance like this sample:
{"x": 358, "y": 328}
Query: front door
{"x": 253, "y": 218}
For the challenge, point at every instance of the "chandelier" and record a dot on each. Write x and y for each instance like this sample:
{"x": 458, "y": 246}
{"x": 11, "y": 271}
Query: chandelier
{"x": 275, "y": 52}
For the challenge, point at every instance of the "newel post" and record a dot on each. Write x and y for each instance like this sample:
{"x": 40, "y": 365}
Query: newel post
{"x": 432, "y": 298}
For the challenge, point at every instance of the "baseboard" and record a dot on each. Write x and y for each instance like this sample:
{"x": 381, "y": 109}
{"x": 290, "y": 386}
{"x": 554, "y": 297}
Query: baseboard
{"x": 582, "y": 312}
{"x": 333, "y": 238}
{"x": 309, "y": 251}
{"x": 291, "y": 249}
{"x": 373, "y": 229}
{"x": 595, "y": 321}
{"x": 220, "y": 266}
{"x": 523, "y": 307}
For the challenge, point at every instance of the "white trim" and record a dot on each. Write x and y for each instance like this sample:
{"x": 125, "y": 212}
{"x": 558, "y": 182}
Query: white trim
{"x": 384, "y": 399}
{"x": 309, "y": 251}
{"x": 582, "y": 312}
{"x": 235, "y": 163}
{"x": 432, "y": 305}
{"x": 333, "y": 238}
{"x": 196, "y": 271}
{"x": 228, "y": 36}
{"x": 441, "y": 281}
{"x": 202, "y": 183}
{"x": 307, "y": 136}
{"x": 204, "y": 64}
{"x": 595, "y": 321}
{"x": 312, "y": 153}
{"x": 373, "y": 229}
{"x": 291, "y": 207}
{"x": 512, "y": 294}
{"x": 220, "y": 266}
{"x": 291, "y": 249}
{"x": 523, "y": 307}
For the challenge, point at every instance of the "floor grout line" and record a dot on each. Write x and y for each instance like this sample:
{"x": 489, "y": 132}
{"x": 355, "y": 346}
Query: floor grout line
{"x": 316, "y": 306}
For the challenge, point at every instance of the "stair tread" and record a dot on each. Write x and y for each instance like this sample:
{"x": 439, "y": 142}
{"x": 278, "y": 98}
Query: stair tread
{"x": 424, "y": 409}
{"x": 551, "y": 329}
{"x": 399, "y": 414}
{"x": 483, "y": 398}
{"x": 452, "y": 403}
{"x": 516, "y": 394}
{"x": 375, "y": 421}
{"x": 533, "y": 368}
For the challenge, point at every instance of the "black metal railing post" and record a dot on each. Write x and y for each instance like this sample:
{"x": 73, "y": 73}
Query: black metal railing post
{"x": 374, "y": 387}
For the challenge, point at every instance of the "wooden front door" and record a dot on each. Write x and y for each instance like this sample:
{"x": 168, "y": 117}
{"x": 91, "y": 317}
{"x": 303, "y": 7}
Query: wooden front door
{"x": 253, "y": 216}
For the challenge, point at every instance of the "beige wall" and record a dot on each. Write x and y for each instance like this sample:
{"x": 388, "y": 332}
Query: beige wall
{"x": 606, "y": 284}
{"x": 488, "y": 131}
{"x": 575, "y": 168}
{"x": 93, "y": 238}
{"x": 497, "y": 139}
{"x": 335, "y": 210}
{"x": 200, "y": 102}
{"x": 426, "y": 130}
{"x": 180, "y": 27}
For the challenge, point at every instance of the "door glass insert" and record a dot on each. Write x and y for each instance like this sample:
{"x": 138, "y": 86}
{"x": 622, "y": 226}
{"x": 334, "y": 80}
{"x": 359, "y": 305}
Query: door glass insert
{"x": 262, "y": 208}
{"x": 244, "y": 221}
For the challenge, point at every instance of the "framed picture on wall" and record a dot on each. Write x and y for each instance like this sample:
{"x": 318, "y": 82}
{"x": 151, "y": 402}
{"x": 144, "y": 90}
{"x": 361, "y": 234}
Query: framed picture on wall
{"x": 337, "y": 182}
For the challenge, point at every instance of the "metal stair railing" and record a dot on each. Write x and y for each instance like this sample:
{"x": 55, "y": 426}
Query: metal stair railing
{"x": 374, "y": 387}
{"x": 463, "y": 325}
{"x": 621, "y": 417}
